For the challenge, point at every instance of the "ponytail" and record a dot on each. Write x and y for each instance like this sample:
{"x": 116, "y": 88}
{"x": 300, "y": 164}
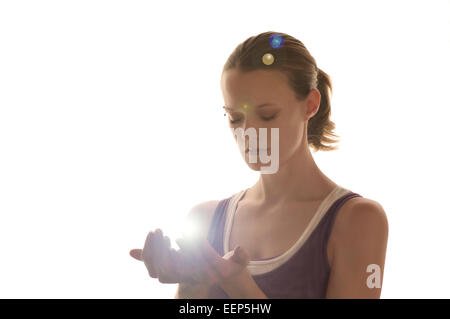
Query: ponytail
{"x": 320, "y": 127}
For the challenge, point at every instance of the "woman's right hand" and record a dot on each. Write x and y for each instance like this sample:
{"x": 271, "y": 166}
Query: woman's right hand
{"x": 195, "y": 263}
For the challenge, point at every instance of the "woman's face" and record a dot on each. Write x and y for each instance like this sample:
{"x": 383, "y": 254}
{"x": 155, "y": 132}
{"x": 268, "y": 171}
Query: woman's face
{"x": 263, "y": 99}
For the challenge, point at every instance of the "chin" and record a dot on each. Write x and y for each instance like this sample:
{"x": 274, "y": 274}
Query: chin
{"x": 255, "y": 166}
{"x": 266, "y": 167}
{"x": 269, "y": 167}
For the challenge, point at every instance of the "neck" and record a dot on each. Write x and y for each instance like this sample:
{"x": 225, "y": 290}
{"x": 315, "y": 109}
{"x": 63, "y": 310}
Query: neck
{"x": 298, "y": 179}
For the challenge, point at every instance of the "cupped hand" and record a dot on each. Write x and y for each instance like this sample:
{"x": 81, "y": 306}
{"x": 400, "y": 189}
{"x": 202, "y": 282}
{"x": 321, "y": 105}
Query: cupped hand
{"x": 196, "y": 262}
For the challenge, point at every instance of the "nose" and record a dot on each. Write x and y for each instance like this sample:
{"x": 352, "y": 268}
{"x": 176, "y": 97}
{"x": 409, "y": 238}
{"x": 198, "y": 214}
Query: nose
{"x": 246, "y": 123}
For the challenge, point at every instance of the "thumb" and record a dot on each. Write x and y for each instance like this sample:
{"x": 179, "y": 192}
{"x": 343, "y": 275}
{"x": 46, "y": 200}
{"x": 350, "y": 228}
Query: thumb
{"x": 136, "y": 253}
{"x": 240, "y": 256}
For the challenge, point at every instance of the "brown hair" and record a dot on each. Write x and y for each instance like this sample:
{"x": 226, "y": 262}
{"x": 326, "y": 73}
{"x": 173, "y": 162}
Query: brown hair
{"x": 294, "y": 60}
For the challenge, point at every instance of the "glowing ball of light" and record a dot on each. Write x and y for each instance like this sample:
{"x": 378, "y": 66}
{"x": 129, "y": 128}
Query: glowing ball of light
{"x": 276, "y": 41}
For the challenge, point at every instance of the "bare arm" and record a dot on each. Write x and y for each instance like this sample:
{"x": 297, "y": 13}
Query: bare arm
{"x": 190, "y": 291}
{"x": 361, "y": 234}
{"x": 243, "y": 287}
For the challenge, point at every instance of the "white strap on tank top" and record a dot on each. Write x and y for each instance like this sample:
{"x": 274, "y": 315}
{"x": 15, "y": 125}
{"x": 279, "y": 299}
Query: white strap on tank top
{"x": 258, "y": 267}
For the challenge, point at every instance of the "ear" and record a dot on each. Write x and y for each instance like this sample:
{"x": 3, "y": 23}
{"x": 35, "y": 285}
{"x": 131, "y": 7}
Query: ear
{"x": 312, "y": 103}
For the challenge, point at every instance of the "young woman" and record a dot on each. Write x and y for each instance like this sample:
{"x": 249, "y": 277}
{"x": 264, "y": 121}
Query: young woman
{"x": 295, "y": 233}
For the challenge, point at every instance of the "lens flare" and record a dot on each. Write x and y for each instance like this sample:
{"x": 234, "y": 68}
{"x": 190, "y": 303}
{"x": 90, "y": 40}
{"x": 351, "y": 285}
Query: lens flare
{"x": 268, "y": 59}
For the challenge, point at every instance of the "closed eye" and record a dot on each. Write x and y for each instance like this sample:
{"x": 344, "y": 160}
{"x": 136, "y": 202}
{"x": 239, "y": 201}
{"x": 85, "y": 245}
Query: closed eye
{"x": 269, "y": 118}
{"x": 234, "y": 121}
{"x": 263, "y": 117}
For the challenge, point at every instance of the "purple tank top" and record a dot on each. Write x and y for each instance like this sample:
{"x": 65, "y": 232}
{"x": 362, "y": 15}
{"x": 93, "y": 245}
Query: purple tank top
{"x": 304, "y": 275}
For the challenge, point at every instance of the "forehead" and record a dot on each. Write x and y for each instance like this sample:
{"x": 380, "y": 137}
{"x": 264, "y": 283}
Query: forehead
{"x": 257, "y": 86}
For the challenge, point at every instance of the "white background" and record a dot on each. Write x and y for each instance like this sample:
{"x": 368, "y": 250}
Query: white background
{"x": 111, "y": 125}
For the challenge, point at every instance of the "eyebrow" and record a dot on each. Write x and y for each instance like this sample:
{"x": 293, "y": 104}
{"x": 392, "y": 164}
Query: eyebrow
{"x": 258, "y": 106}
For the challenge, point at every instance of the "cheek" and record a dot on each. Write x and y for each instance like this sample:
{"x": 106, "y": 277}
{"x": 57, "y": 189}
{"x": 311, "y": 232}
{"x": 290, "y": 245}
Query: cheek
{"x": 290, "y": 137}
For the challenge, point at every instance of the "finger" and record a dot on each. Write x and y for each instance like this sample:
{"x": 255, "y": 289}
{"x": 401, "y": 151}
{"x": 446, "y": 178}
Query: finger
{"x": 148, "y": 255}
{"x": 168, "y": 256}
{"x": 149, "y": 252}
{"x": 136, "y": 253}
{"x": 175, "y": 261}
{"x": 243, "y": 255}
{"x": 240, "y": 256}
{"x": 167, "y": 241}
{"x": 164, "y": 264}
{"x": 159, "y": 242}
{"x": 157, "y": 252}
{"x": 168, "y": 274}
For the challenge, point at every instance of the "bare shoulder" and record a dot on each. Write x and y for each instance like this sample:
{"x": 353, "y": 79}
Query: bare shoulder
{"x": 200, "y": 216}
{"x": 360, "y": 233}
{"x": 361, "y": 212}
{"x": 359, "y": 219}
